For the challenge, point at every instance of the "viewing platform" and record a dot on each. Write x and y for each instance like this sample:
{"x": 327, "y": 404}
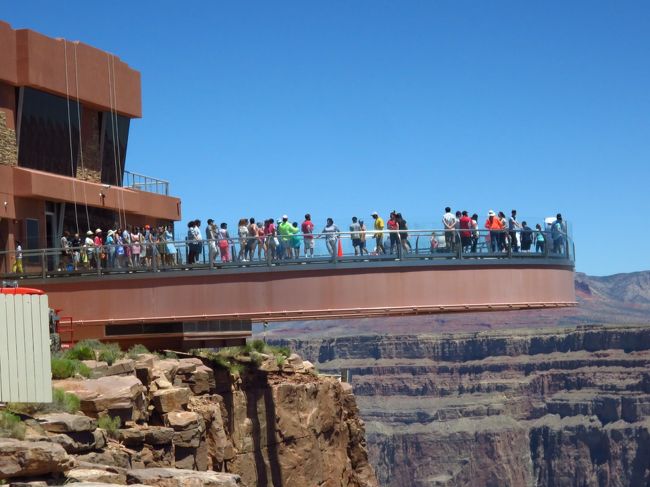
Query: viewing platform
{"x": 211, "y": 302}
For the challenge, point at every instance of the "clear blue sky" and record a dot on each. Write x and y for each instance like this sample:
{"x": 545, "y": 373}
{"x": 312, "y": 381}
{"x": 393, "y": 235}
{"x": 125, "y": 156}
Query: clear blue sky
{"x": 339, "y": 108}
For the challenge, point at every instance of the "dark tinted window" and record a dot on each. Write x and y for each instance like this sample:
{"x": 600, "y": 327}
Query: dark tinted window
{"x": 114, "y": 128}
{"x": 45, "y": 134}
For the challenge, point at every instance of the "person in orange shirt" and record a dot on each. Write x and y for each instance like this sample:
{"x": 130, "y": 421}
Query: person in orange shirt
{"x": 494, "y": 225}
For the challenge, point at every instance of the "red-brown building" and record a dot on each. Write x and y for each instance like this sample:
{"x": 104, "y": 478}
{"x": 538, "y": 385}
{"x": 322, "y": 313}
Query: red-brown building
{"x": 65, "y": 113}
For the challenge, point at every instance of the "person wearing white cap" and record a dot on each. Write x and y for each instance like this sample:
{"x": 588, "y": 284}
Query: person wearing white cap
{"x": 494, "y": 225}
{"x": 88, "y": 250}
{"x": 379, "y": 234}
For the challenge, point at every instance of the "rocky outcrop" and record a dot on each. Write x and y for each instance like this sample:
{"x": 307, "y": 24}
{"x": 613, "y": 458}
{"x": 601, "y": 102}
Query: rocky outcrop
{"x": 543, "y": 408}
{"x": 185, "y": 422}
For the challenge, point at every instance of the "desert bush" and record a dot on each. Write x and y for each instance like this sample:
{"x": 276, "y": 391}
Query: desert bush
{"x": 62, "y": 402}
{"x": 136, "y": 350}
{"x": 258, "y": 345}
{"x": 110, "y": 425}
{"x": 81, "y": 351}
{"x": 11, "y": 426}
{"x": 109, "y": 353}
{"x": 64, "y": 368}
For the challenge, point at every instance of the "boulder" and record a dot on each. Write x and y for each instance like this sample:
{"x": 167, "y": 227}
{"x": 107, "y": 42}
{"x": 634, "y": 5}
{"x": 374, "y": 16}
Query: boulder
{"x": 67, "y": 423}
{"x": 121, "y": 396}
{"x": 171, "y": 477}
{"x": 173, "y": 399}
{"x": 80, "y": 442}
{"x": 29, "y": 459}
{"x": 151, "y": 435}
{"x": 98, "y": 475}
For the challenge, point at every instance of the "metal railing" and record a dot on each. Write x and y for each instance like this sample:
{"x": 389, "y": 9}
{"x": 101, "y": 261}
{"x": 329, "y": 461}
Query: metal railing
{"x": 404, "y": 247}
{"x": 141, "y": 182}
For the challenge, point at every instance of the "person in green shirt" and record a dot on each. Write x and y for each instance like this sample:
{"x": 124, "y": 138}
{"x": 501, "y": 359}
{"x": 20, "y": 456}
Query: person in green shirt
{"x": 285, "y": 230}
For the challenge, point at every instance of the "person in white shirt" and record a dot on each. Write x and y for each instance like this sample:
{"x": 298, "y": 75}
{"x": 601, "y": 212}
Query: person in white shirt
{"x": 449, "y": 224}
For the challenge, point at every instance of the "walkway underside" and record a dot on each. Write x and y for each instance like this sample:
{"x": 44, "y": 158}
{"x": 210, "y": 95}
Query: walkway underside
{"x": 205, "y": 305}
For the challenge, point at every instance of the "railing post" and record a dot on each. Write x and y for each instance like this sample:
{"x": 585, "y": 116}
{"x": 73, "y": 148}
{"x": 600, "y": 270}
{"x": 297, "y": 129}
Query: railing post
{"x": 507, "y": 236}
{"x": 98, "y": 260}
{"x": 459, "y": 244}
{"x": 43, "y": 264}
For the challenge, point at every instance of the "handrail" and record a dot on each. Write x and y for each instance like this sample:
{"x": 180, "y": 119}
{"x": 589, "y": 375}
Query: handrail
{"x": 141, "y": 182}
{"x": 154, "y": 256}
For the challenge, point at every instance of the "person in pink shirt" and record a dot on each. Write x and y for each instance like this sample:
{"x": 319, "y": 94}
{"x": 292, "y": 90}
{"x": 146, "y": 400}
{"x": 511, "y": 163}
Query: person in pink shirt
{"x": 271, "y": 239}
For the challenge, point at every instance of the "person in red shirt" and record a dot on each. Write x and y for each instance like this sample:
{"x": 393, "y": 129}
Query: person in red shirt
{"x": 307, "y": 229}
{"x": 393, "y": 226}
{"x": 465, "y": 231}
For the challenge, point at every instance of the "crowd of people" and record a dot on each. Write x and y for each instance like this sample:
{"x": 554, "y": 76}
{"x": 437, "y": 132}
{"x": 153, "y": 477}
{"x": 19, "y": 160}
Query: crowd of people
{"x": 283, "y": 239}
{"x": 125, "y": 247}
{"x": 134, "y": 247}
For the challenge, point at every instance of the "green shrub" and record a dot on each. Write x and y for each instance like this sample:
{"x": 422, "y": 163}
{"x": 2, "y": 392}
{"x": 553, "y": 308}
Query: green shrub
{"x": 11, "y": 426}
{"x": 284, "y": 351}
{"x": 171, "y": 355}
{"x": 280, "y": 360}
{"x": 236, "y": 368}
{"x": 136, "y": 350}
{"x": 64, "y": 368}
{"x": 258, "y": 345}
{"x": 109, "y": 353}
{"x": 110, "y": 425}
{"x": 62, "y": 402}
{"x": 81, "y": 351}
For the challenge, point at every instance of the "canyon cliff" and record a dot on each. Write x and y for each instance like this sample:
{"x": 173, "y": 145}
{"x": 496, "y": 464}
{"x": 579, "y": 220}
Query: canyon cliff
{"x": 186, "y": 421}
{"x": 545, "y": 408}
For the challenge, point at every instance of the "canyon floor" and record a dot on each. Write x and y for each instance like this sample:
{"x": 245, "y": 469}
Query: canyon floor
{"x": 536, "y": 398}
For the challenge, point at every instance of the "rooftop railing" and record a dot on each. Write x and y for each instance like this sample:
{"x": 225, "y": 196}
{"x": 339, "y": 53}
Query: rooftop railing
{"x": 141, "y": 182}
{"x": 369, "y": 248}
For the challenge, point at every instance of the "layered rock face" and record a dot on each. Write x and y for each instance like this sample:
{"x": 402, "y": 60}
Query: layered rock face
{"x": 543, "y": 408}
{"x": 185, "y": 423}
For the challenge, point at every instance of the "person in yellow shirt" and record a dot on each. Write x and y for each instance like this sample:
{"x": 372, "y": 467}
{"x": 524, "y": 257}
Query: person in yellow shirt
{"x": 379, "y": 234}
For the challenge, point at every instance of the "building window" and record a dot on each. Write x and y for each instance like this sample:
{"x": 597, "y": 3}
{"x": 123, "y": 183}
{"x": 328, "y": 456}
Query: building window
{"x": 114, "y": 128}
{"x": 45, "y": 133}
{"x": 32, "y": 239}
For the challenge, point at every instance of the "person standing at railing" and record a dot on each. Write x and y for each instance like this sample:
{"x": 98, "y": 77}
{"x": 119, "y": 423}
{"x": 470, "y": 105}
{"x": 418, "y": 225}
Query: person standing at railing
{"x": 224, "y": 243}
{"x": 513, "y": 230}
{"x": 503, "y": 235}
{"x": 540, "y": 239}
{"x": 18, "y": 262}
{"x": 272, "y": 241}
{"x": 76, "y": 251}
{"x": 136, "y": 246}
{"x": 493, "y": 224}
{"x": 242, "y": 233}
{"x": 295, "y": 240}
{"x": 362, "y": 236}
{"x": 284, "y": 229}
{"x": 261, "y": 242}
{"x": 211, "y": 234}
{"x": 475, "y": 232}
{"x": 403, "y": 235}
{"x": 449, "y": 224}
{"x": 110, "y": 248}
{"x": 251, "y": 242}
{"x": 307, "y": 229}
{"x": 355, "y": 228}
{"x": 379, "y": 233}
{"x": 126, "y": 243}
{"x": 171, "y": 248}
{"x": 99, "y": 247}
{"x": 331, "y": 234}
{"x": 65, "y": 251}
{"x": 526, "y": 237}
{"x": 146, "y": 252}
{"x": 393, "y": 226}
{"x": 191, "y": 249}
{"x": 198, "y": 240}
{"x": 558, "y": 231}
{"x": 465, "y": 226}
